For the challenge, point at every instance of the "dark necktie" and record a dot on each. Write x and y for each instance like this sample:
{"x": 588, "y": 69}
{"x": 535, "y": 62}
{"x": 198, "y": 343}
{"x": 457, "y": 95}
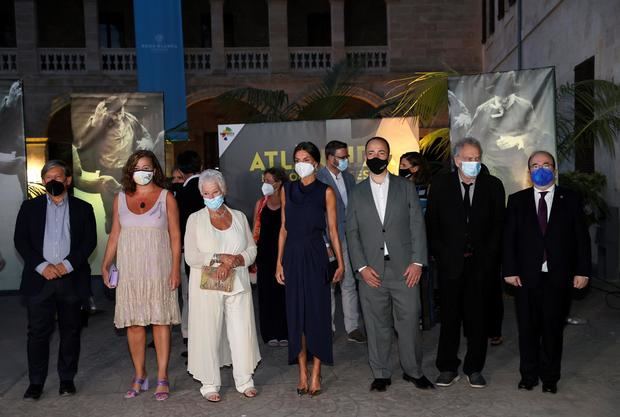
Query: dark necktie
{"x": 542, "y": 212}
{"x": 466, "y": 201}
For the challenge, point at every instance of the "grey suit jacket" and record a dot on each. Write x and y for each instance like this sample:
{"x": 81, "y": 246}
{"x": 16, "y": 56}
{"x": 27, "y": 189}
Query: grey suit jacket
{"x": 325, "y": 177}
{"x": 403, "y": 230}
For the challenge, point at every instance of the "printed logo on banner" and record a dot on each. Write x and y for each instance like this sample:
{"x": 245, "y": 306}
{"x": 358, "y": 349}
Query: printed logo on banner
{"x": 227, "y": 135}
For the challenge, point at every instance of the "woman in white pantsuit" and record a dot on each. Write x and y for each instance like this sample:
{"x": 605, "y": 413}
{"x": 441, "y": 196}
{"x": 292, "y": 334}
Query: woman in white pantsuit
{"x": 221, "y": 325}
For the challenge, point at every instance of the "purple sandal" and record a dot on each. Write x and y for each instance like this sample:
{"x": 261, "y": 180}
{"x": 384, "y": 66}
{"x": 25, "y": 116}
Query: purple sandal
{"x": 144, "y": 386}
{"x": 163, "y": 395}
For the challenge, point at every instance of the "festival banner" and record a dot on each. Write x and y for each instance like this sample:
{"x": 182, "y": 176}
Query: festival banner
{"x": 511, "y": 113}
{"x": 12, "y": 178}
{"x": 246, "y": 150}
{"x": 107, "y": 129}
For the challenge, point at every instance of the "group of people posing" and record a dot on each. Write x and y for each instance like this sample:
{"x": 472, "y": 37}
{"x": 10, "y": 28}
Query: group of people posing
{"x": 375, "y": 238}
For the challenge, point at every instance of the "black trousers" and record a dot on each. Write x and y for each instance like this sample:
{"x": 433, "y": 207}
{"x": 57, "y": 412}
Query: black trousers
{"x": 541, "y": 315}
{"x": 462, "y": 302}
{"x": 57, "y": 299}
{"x": 495, "y": 304}
{"x": 271, "y": 304}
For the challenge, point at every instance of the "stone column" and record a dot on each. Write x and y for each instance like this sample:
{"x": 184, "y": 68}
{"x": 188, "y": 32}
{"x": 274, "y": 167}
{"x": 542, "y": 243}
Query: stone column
{"x": 278, "y": 36}
{"x": 337, "y": 21}
{"x": 26, "y": 37}
{"x": 91, "y": 35}
{"x": 218, "y": 56}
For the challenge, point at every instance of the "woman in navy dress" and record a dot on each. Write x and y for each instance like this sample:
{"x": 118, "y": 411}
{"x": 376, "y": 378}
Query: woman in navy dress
{"x": 303, "y": 266}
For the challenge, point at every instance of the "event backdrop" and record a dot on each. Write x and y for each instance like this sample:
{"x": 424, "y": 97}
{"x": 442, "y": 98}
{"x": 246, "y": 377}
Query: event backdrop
{"x": 12, "y": 178}
{"x": 246, "y": 150}
{"x": 107, "y": 129}
{"x": 511, "y": 113}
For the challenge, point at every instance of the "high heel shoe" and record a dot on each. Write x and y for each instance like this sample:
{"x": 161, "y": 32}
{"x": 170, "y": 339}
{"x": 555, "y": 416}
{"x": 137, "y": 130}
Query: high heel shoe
{"x": 162, "y": 395}
{"x": 302, "y": 391}
{"x": 144, "y": 386}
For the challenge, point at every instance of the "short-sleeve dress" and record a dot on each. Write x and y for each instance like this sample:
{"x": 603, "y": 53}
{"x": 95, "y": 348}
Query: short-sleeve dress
{"x": 144, "y": 262}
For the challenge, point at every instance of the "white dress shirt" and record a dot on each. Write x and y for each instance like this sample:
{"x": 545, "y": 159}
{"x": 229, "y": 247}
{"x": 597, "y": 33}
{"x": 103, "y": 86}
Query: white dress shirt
{"x": 549, "y": 200}
{"x": 342, "y": 188}
{"x": 379, "y": 195}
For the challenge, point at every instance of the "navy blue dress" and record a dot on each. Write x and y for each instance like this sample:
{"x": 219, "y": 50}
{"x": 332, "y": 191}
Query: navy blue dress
{"x": 305, "y": 263}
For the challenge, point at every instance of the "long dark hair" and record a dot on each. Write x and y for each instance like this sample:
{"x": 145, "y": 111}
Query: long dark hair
{"x": 309, "y": 147}
{"x": 129, "y": 185}
{"x": 423, "y": 175}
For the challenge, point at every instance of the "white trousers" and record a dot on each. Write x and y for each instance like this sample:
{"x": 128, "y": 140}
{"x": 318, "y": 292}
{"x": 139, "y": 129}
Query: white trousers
{"x": 350, "y": 307}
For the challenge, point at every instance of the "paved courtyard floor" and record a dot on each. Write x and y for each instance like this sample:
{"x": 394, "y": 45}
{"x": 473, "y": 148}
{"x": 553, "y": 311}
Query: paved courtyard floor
{"x": 590, "y": 385}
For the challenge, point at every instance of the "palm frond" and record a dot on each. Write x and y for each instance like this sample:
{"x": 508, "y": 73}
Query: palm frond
{"x": 437, "y": 142}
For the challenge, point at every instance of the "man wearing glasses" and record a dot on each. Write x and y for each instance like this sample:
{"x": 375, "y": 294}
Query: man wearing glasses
{"x": 335, "y": 174}
{"x": 546, "y": 252}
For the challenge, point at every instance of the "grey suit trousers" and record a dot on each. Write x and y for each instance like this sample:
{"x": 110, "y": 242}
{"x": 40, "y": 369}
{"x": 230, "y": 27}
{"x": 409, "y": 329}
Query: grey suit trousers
{"x": 392, "y": 306}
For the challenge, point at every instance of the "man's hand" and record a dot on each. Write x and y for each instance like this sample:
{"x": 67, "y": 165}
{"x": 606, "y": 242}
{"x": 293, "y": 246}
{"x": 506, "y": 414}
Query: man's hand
{"x": 371, "y": 277}
{"x": 413, "y": 274}
{"x": 50, "y": 272}
{"x": 62, "y": 270}
{"x": 513, "y": 280}
{"x": 580, "y": 281}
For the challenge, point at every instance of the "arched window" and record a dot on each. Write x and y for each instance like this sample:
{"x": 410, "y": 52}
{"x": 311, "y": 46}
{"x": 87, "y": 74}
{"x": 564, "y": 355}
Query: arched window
{"x": 365, "y": 23}
{"x": 246, "y": 23}
{"x": 309, "y": 23}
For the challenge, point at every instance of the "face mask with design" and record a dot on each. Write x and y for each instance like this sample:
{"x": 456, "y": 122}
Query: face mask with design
{"x": 267, "y": 189}
{"x": 343, "y": 164}
{"x": 304, "y": 169}
{"x": 377, "y": 165}
{"x": 55, "y": 188}
{"x": 405, "y": 173}
{"x": 143, "y": 177}
{"x": 542, "y": 176}
{"x": 215, "y": 202}
{"x": 471, "y": 168}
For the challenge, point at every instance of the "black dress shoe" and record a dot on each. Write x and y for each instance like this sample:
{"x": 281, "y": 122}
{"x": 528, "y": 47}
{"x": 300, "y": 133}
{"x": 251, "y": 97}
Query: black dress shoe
{"x": 380, "y": 384}
{"x": 550, "y": 387}
{"x": 420, "y": 383}
{"x": 66, "y": 388}
{"x": 33, "y": 392}
{"x": 527, "y": 385}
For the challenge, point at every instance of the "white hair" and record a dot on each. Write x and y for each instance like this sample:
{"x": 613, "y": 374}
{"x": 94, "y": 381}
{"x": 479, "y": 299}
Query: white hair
{"x": 212, "y": 175}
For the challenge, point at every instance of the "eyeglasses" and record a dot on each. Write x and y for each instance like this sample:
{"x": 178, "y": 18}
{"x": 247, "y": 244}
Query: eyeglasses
{"x": 341, "y": 158}
{"x": 545, "y": 165}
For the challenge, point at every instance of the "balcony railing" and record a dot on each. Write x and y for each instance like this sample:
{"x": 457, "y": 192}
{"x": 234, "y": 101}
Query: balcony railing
{"x": 310, "y": 59}
{"x": 62, "y": 60}
{"x": 251, "y": 60}
{"x": 8, "y": 61}
{"x": 118, "y": 60}
{"x": 197, "y": 60}
{"x": 368, "y": 58}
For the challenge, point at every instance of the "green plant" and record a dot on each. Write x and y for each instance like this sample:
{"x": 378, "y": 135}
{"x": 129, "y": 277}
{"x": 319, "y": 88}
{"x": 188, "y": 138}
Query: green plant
{"x": 590, "y": 187}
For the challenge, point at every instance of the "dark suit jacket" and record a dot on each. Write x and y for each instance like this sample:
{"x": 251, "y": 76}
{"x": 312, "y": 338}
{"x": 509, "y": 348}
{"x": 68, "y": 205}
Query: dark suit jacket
{"x": 325, "y": 177}
{"x": 447, "y": 227}
{"x": 189, "y": 200}
{"x": 29, "y": 234}
{"x": 567, "y": 242}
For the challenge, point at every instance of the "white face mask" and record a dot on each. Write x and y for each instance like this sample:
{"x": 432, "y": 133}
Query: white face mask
{"x": 267, "y": 189}
{"x": 303, "y": 169}
{"x": 142, "y": 177}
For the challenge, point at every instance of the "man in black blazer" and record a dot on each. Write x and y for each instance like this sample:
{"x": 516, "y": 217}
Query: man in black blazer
{"x": 546, "y": 252}
{"x": 464, "y": 221}
{"x": 55, "y": 234}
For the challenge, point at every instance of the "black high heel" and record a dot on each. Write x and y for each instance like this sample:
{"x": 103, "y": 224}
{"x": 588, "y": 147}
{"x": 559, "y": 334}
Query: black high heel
{"x": 302, "y": 391}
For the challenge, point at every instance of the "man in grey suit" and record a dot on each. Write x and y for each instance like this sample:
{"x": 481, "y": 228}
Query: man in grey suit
{"x": 387, "y": 244}
{"x": 335, "y": 174}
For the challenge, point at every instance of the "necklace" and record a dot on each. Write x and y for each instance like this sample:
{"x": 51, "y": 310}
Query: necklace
{"x": 217, "y": 213}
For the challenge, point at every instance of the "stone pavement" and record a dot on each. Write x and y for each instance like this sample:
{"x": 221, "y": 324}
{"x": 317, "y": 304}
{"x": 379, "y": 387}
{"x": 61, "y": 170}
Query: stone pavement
{"x": 589, "y": 387}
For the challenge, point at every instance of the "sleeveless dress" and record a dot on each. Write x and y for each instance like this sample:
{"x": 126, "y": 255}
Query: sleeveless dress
{"x": 271, "y": 295}
{"x": 305, "y": 263}
{"x": 144, "y": 262}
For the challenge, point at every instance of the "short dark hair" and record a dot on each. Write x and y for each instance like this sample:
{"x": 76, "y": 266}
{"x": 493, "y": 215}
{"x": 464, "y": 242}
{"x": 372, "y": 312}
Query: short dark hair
{"x": 310, "y": 148}
{"x": 333, "y": 146}
{"x": 458, "y": 146}
{"x": 53, "y": 163}
{"x": 423, "y": 176}
{"x": 188, "y": 162}
{"x": 541, "y": 152}
{"x": 379, "y": 138}
{"x": 129, "y": 185}
{"x": 278, "y": 174}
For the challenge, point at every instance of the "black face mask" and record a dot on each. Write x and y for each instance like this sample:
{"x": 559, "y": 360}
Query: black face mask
{"x": 405, "y": 173}
{"x": 377, "y": 165}
{"x": 55, "y": 188}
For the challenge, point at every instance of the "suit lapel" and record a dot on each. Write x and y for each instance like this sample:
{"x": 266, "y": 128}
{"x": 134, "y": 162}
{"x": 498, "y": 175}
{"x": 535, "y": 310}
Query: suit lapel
{"x": 42, "y": 214}
{"x": 334, "y": 186}
{"x": 458, "y": 193}
{"x": 372, "y": 207}
{"x": 531, "y": 211}
{"x": 556, "y": 206}
{"x": 389, "y": 202}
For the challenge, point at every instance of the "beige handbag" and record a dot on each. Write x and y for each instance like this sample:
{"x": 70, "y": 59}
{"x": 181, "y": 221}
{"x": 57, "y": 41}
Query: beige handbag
{"x": 209, "y": 280}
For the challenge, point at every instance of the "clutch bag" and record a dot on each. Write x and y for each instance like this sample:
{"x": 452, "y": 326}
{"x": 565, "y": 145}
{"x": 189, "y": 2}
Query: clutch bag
{"x": 209, "y": 280}
{"x": 113, "y": 276}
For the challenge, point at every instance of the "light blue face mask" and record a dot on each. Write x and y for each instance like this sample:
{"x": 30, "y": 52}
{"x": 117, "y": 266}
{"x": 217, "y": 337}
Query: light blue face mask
{"x": 214, "y": 203}
{"x": 343, "y": 164}
{"x": 470, "y": 168}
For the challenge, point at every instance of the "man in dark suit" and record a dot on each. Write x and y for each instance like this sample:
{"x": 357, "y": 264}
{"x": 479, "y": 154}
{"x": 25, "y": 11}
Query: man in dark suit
{"x": 387, "y": 245}
{"x": 546, "y": 252}
{"x": 335, "y": 174}
{"x": 189, "y": 200}
{"x": 464, "y": 220}
{"x": 55, "y": 234}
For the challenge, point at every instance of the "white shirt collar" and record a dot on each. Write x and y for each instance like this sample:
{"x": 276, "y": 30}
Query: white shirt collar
{"x": 385, "y": 181}
{"x": 549, "y": 190}
{"x": 190, "y": 178}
